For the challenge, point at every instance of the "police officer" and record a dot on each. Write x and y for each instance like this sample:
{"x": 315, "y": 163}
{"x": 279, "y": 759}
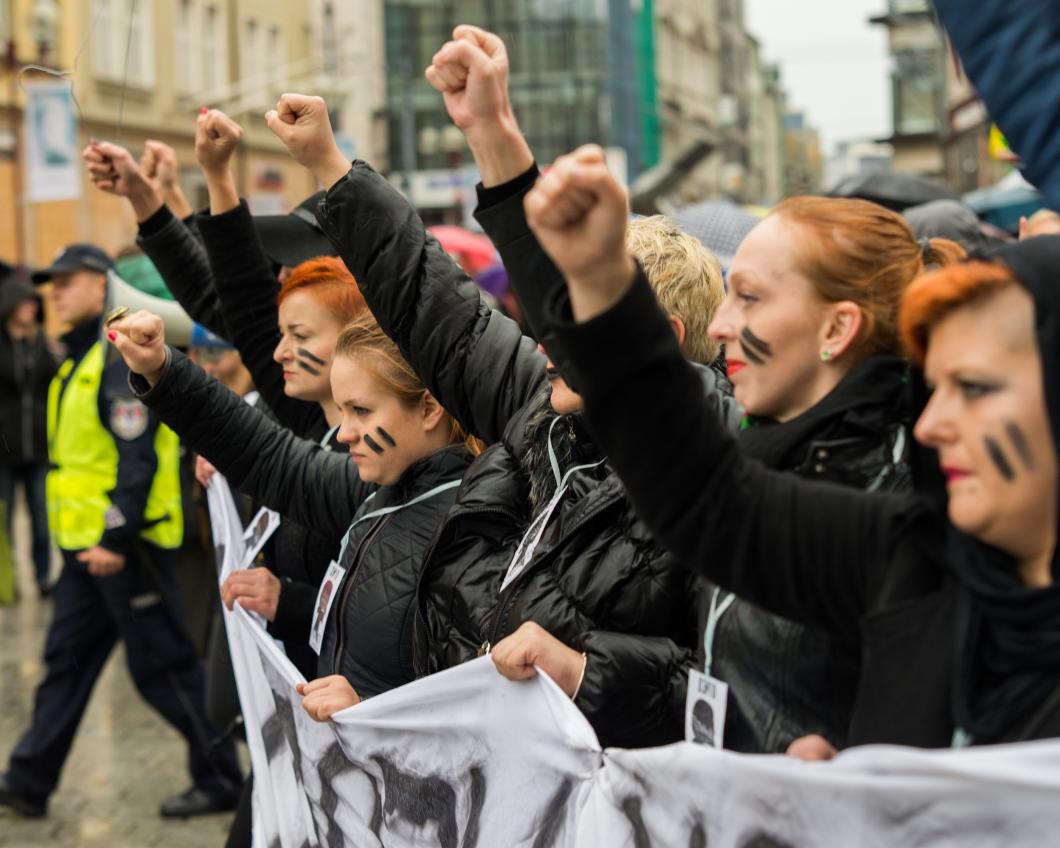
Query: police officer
{"x": 114, "y": 505}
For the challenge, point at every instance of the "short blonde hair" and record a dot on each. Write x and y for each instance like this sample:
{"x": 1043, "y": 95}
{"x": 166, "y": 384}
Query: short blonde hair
{"x": 685, "y": 276}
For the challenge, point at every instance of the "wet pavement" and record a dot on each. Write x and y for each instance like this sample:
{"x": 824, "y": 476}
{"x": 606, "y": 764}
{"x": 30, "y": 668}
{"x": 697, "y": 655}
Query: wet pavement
{"x": 124, "y": 761}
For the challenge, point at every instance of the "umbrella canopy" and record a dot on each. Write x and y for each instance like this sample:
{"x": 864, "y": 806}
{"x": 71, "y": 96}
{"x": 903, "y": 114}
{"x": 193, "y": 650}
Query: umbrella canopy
{"x": 894, "y": 189}
{"x": 474, "y": 251}
{"x": 719, "y": 224}
{"x": 1004, "y": 203}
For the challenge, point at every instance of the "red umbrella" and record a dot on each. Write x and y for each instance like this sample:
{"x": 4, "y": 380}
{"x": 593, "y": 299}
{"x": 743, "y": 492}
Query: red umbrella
{"x": 473, "y": 251}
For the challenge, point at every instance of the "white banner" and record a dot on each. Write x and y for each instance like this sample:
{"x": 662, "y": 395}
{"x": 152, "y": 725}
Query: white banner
{"x": 53, "y": 163}
{"x": 465, "y": 758}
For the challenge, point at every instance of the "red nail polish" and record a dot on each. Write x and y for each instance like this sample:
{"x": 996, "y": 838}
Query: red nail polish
{"x": 203, "y": 110}
{"x": 111, "y": 335}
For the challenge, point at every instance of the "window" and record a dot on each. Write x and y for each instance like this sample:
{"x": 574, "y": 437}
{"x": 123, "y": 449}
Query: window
{"x": 125, "y": 41}
{"x": 276, "y": 61}
{"x": 250, "y": 50}
{"x": 213, "y": 63}
{"x": 184, "y": 65}
{"x": 918, "y": 83}
{"x": 330, "y": 41}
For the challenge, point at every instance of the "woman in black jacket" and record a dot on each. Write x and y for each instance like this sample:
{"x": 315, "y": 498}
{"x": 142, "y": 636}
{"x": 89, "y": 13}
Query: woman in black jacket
{"x": 408, "y": 458}
{"x": 593, "y": 576}
{"x": 956, "y": 618}
{"x": 26, "y": 369}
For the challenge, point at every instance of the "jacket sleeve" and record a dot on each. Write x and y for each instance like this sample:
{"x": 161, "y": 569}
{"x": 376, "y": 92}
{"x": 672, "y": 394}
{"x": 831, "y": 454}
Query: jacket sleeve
{"x": 810, "y": 551}
{"x": 1011, "y": 53}
{"x": 633, "y": 692}
{"x": 536, "y": 280}
{"x": 294, "y": 611}
{"x": 294, "y": 476}
{"x": 246, "y": 289}
{"x": 133, "y": 428}
{"x": 181, "y": 260}
{"x": 475, "y": 361}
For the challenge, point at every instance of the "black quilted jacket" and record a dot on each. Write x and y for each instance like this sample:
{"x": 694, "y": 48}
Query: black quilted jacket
{"x": 368, "y": 634}
{"x": 597, "y": 580}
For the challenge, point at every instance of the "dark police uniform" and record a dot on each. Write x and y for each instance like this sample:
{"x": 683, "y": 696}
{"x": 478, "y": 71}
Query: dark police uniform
{"x": 114, "y": 483}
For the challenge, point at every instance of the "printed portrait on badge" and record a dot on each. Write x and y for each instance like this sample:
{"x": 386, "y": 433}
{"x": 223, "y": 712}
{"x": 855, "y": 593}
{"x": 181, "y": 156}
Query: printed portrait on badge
{"x": 128, "y": 418}
{"x": 705, "y": 709}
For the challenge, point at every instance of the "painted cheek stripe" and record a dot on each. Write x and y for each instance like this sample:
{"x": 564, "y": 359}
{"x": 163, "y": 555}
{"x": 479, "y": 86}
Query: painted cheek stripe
{"x": 372, "y": 443}
{"x": 1020, "y": 443}
{"x": 386, "y": 437}
{"x": 305, "y": 366}
{"x": 311, "y": 357}
{"x": 999, "y": 458}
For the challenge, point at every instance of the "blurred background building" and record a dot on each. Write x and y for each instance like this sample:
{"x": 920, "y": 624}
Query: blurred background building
{"x": 648, "y": 79}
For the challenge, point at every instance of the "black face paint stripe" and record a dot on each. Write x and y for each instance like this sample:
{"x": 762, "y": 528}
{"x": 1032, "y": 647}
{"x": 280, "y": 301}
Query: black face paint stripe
{"x": 311, "y": 357}
{"x": 999, "y": 458}
{"x": 1020, "y": 443}
{"x": 753, "y": 357}
{"x": 386, "y": 437}
{"x": 305, "y": 366}
{"x": 372, "y": 443}
{"x": 761, "y": 347}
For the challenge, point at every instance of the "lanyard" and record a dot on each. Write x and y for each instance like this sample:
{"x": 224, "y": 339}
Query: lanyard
{"x": 532, "y": 537}
{"x": 388, "y": 510}
{"x": 716, "y": 612}
{"x": 327, "y": 437}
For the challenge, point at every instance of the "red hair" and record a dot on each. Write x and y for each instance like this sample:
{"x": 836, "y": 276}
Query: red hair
{"x": 933, "y": 296}
{"x": 861, "y": 252}
{"x": 327, "y": 280}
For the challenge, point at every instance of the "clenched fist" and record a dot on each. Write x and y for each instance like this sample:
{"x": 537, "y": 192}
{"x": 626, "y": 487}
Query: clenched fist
{"x": 302, "y": 123}
{"x": 141, "y": 340}
{"x": 216, "y": 139}
{"x": 325, "y": 696}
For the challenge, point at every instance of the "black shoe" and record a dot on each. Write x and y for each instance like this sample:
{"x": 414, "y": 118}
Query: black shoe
{"x": 21, "y": 804}
{"x": 196, "y": 802}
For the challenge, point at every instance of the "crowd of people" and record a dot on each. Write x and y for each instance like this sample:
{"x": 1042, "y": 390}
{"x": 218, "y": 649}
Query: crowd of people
{"x": 821, "y": 487}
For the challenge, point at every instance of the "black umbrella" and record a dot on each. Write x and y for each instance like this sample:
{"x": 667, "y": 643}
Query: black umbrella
{"x": 894, "y": 189}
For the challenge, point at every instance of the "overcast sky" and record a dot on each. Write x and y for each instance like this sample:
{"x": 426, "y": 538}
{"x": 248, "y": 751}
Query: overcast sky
{"x": 834, "y": 63}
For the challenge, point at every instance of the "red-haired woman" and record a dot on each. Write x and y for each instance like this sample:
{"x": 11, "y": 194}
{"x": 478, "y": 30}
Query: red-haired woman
{"x": 954, "y": 611}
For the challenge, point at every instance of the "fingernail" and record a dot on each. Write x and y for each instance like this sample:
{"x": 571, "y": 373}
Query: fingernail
{"x": 111, "y": 335}
{"x": 203, "y": 110}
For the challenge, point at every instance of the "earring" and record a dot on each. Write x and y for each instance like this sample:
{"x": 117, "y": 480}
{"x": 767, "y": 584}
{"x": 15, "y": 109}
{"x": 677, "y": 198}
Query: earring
{"x": 826, "y": 355}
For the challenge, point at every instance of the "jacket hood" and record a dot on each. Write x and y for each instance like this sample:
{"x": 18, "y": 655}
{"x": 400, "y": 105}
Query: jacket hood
{"x": 15, "y": 288}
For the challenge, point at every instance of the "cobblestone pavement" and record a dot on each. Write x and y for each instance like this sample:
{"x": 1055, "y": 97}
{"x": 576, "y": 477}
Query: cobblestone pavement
{"x": 124, "y": 761}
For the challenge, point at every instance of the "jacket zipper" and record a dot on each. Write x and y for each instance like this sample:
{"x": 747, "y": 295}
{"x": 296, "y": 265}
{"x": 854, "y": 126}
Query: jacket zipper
{"x": 417, "y": 659}
{"x": 347, "y": 587}
{"x": 509, "y": 593}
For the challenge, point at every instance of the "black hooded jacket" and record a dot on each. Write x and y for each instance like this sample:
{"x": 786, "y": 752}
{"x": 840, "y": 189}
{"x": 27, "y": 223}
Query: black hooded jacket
{"x": 887, "y": 573}
{"x": 369, "y": 630}
{"x": 597, "y": 580}
{"x": 26, "y": 370}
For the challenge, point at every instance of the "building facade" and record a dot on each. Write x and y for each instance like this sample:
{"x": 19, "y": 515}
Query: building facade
{"x": 142, "y": 69}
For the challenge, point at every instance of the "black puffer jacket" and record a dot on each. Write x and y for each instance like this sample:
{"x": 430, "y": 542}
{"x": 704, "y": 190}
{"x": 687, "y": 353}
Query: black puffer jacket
{"x": 26, "y": 370}
{"x": 597, "y": 580}
{"x": 858, "y": 435}
{"x": 369, "y": 643}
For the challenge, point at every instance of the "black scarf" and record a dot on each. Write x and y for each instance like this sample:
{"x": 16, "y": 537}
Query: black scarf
{"x": 1008, "y": 633}
{"x": 876, "y": 383}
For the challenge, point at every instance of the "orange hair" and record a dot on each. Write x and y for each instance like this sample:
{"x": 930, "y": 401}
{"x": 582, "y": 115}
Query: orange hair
{"x": 864, "y": 253}
{"x": 327, "y": 280}
{"x": 934, "y": 295}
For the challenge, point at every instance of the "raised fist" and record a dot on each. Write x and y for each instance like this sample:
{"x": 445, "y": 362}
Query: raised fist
{"x": 471, "y": 72}
{"x": 216, "y": 139}
{"x": 141, "y": 340}
{"x": 158, "y": 164}
{"x": 113, "y": 169}
{"x": 302, "y": 123}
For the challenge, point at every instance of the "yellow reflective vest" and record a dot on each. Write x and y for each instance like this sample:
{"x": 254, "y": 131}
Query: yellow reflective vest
{"x": 85, "y": 464}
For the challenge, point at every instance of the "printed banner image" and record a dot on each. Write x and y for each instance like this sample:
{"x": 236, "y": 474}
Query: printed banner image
{"x": 467, "y": 759}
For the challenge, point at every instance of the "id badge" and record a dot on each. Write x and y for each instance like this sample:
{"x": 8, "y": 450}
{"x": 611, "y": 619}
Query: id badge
{"x": 329, "y": 588}
{"x": 258, "y": 532}
{"x": 705, "y": 709}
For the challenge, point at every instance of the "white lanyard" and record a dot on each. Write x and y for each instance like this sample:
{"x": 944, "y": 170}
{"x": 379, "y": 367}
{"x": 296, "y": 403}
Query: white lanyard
{"x": 388, "y": 510}
{"x": 325, "y": 442}
{"x": 532, "y": 537}
{"x": 716, "y": 612}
